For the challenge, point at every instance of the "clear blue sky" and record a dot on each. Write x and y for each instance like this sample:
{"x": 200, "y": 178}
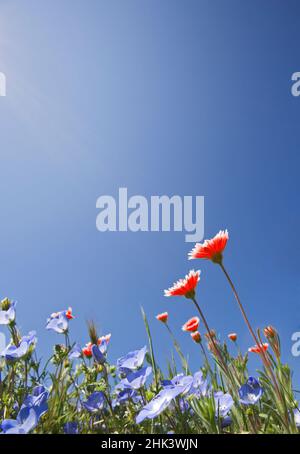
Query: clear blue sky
{"x": 161, "y": 97}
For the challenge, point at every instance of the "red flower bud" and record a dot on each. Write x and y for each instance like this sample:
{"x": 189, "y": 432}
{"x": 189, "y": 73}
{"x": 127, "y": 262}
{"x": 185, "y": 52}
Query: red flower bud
{"x": 196, "y": 336}
{"x": 269, "y": 332}
{"x": 163, "y": 317}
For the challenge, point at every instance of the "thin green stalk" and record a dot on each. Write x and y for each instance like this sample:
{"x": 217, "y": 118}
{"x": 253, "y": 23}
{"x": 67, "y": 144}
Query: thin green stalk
{"x": 257, "y": 341}
{"x": 151, "y": 349}
{"x": 178, "y": 349}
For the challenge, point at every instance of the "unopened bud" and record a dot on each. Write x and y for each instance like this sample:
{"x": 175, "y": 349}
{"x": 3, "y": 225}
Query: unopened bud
{"x": 270, "y": 332}
{"x": 162, "y": 317}
{"x": 232, "y": 336}
{"x": 211, "y": 334}
{"x": 5, "y": 304}
{"x": 196, "y": 336}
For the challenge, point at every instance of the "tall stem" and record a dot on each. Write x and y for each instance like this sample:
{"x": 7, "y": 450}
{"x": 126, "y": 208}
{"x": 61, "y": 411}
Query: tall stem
{"x": 256, "y": 340}
{"x": 240, "y": 305}
{"x": 216, "y": 349}
{"x": 178, "y": 349}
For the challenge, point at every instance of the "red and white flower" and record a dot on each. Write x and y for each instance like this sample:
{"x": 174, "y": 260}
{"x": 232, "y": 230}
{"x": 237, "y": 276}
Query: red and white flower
{"x": 105, "y": 338}
{"x": 185, "y": 287}
{"x": 259, "y": 348}
{"x": 87, "y": 350}
{"x": 211, "y": 249}
{"x": 163, "y": 317}
{"x": 191, "y": 325}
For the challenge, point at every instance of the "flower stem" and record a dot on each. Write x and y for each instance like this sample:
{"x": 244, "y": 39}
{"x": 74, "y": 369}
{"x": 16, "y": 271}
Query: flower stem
{"x": 216, "y": 349}
{"x": 178, "y": 349}
{"x": 240, "y": 305}
{"x": 257, "y": 341}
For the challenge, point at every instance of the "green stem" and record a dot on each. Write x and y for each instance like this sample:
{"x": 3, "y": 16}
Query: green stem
{"x": 178, "y": 349}
{"x": 257, "y": 341}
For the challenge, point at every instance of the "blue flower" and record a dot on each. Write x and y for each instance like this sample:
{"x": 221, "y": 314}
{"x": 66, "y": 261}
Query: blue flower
{"x": 131, "y": 361}
{"x": 124, "y": 395}
{"x": 158, "y": 404}
{"x": 71, "y": 428}
{"x": 136, "y": 379}
{"x": 34, "y": 406}
{"x": 199, "y": 386}
{"x": 37, "y": 400}
{"x": 223, "y": 403}
{"x": 26, "y": 345}
{"x": 183, "y": 382}
{"x": 25, "y": 422}
{"x": 8, "y": 314}
{"x": 250, "y": 392}
{"x": 58, "y": 322}
{"x": 226, "y": 422}
{"x": 95, "y": 402}
{"x": 97, "y": 354}
{"x": 75, "y": 351}
{"x": 104, "y": 341}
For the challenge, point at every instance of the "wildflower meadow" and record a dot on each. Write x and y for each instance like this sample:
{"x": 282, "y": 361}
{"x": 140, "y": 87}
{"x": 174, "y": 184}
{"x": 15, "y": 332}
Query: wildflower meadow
{"x": 79, "y": 391}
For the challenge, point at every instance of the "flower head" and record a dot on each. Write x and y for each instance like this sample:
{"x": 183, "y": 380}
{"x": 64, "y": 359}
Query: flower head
{"x": 124, "y": 395}
{"x": 196, "y": 336}
{"x": 273, "y": 337}
{"x": 87, "y": 350}
{"x": 250, "y": 392}
{"x": 259, "y": 348}
{"x": 97, "y": 351}
{"x": 211, "y": 334}
{"x": 158, "y": 404}
{"x": 180, "y": 381}
{"x": 232, "y": 336}
{"x": 26, "y": 345}
{"x": 191, "y": 325}
{"x": 211, "y": 249}
{"x": 7, "y": 311}
{"x": 136, "y": 379}
{"x": 98, "y": 354}
{"x": 95, "y": 402}
{"x": 75, "y": 351}
{"x": 269, "y": 332}
{"x": 199, "y": 386}
{"x": 223, "y": 403}
{"x": 131, "y": 361}
{"x": 34, "y": 406}
{"x": 104, "y": 339}
{"x": 69, "y": 313}
{"x": 185, "y": 287}
{"x": 59, "y": 321}
{"x": 163, "y": 317}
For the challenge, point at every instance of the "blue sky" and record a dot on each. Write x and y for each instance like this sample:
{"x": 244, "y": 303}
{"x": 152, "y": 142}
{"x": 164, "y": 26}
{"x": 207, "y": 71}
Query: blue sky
{"x": 162, "y": 97}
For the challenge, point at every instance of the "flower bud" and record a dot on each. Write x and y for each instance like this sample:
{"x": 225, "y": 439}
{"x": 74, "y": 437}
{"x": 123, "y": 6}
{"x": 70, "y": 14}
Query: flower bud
{"x": 211, "y": 334}
{"x": 232, "y": 336}
{"x": 269, "y": 332}
{"x": 196, "y": 336}
{"x": 162, "y": 317}
{"x": 5, "y": 304}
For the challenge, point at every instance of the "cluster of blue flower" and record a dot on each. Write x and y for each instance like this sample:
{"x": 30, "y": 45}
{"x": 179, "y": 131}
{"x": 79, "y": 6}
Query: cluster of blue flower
{"x": 183, "y": 391}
